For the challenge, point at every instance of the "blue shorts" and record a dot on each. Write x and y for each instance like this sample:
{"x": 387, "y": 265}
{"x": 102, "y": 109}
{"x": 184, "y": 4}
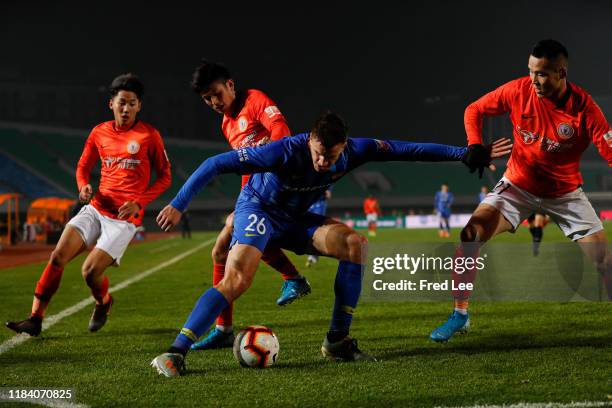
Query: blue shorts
{"x": 319, "y": 207}
{"x": 255, "y": 226}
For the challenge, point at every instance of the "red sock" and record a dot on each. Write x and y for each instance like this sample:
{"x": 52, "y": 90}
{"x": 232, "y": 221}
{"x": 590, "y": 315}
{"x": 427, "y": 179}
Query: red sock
{"x": 277, "y": 259}
{"x": 100, "y": 293}
{"x": 46, "y": 287}
{"x": 226, "y": 316}
{"x": 468, "y": 275}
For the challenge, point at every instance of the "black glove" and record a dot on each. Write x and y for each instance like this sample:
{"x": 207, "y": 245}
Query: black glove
{"x": 477, "y": 157}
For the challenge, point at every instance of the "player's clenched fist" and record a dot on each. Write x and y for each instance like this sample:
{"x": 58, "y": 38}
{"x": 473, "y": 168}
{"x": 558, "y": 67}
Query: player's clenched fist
{"x": 85, "y": 194}
{"x": 168, "y": 218}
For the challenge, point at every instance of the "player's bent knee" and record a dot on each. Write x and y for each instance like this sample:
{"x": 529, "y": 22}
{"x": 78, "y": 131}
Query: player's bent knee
{"x": 58, "y": 258}
{"x": 357, "y": 247}
{"x": 219, "y": 253}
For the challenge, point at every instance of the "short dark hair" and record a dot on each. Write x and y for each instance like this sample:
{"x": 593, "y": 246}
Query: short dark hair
{"x": 549, "y": 49}
{"x": 206, "y": 73}
{"x": 330, "y": 129}
{"x": 127, "y": 82}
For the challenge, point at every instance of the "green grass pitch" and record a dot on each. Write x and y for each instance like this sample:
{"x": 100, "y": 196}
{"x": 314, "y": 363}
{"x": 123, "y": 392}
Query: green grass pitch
{"x": 516, "y": 351}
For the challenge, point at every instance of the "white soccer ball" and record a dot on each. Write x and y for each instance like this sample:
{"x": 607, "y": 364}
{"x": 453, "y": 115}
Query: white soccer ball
{"x": 256, "y": 346}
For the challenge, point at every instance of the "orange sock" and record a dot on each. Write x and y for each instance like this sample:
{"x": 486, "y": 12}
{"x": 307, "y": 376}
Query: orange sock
{"x": 226, "y": 316}
{"x": 276, "y": 258}
{"x": 46, "y": 287}
{"x": 467, "y": 276}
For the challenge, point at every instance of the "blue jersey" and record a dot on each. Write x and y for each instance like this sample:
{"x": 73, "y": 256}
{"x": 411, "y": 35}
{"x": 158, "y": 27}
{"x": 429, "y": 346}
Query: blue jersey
{"x": 443, "y": 202}
{"x": 284, "y": 180}
{"x": 320, "y": 206}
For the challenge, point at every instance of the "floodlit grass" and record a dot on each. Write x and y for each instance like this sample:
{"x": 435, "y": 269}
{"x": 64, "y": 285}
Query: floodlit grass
{"x": 516, "y": 351}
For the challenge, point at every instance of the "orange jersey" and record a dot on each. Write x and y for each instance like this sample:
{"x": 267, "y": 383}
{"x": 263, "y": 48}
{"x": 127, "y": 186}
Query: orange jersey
{"x": 370, "y": 206}
{"x": 548, "y": 139}
{"x": 127, "y": 158}
{"x": 257, "y": 122}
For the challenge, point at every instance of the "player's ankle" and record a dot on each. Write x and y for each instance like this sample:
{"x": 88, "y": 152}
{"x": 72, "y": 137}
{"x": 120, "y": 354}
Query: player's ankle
{"x": 225, "y": 328}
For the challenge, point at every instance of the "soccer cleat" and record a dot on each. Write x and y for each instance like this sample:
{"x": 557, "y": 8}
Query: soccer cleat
{"x": 344, "y": 350}
{"x": 311, "y": 260}
{"x": 216, "y": 339}
{"x": 456, "y": 323}
{"x": 31, "y": 326}
{"x": 100, "y": 315}
{"x": 293, "y": 289}
{"x": 169, "y": 364}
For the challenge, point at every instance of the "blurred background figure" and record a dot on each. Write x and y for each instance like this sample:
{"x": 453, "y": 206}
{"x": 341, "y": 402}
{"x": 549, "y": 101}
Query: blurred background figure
{"x": 442, "y": 206}
{"x": 484, "y": 190}
{"x": 372, "y": 211}
{"x": 537, "y": 222}
{"x": 185, "y": 225}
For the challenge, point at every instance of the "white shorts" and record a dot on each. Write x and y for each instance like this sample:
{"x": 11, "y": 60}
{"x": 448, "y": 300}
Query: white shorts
{"x": 108, "y": 234}
{"x": 572, "y": 212}
{"x": 372, "y": 217}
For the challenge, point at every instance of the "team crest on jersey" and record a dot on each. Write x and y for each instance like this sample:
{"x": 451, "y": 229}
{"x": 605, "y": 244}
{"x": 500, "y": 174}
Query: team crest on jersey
{"x": 565, "y": 131}
{"x": 527, "y": 136}
{"x": 608, "y": 138}
{"x": 382, "y": 146}
{"x": 133, "y": 147}
{"x": 242, "y": 123}
{"x": 272, "y": 111}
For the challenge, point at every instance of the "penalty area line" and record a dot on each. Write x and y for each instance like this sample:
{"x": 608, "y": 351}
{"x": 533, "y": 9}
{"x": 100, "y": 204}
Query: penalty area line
{"x": 51, "y": 320}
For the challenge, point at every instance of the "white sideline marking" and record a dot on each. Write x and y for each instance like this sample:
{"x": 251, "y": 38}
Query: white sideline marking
{"x": 578, "y": 404}
{"x": 51, "y": 320}
{"x": 164, "y": 247}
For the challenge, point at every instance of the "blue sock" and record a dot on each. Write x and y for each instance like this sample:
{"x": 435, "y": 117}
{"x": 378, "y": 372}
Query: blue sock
{"x": 347, "y": 289}
{"x": 206, "y": 310}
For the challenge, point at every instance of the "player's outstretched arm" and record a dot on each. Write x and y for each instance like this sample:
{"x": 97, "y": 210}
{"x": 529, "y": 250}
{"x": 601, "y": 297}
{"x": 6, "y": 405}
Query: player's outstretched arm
{"x": 242, "y": 161}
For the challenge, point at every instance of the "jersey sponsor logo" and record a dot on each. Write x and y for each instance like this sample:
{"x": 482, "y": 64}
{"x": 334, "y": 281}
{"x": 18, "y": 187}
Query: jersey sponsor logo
{"x": 126, "y": 164}
{"x": 133, "y": 147}
{"x": 286, "y": 187}
{"x": 108, "y": 161}
{"x": 565, "y": 131}
{"x": 382, "y": 145}
{"x": 272, "y": 111}
{"x": 242, "y": 155}
{"x": 608, "y": 138}
{"x": 526, "y": 136}
{"x": 249, "y": 140}
{"x": 242, "y": 123}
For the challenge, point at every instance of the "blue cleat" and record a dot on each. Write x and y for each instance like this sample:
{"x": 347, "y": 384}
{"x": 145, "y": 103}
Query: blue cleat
{"x": 293, "y": 289}
{"x": 456, "y": 323}
{"x": 216, "y": 339}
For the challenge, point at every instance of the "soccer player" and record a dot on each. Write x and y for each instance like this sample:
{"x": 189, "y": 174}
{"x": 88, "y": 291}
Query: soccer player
{"x": 128, "y": 149}
{"x": 250, "y": 118}
{"x": 442, "y": 206}
{"x": 319, "y": 207}
{"x": 484, "y": 190}
{"x": 371, "y": 210}
{"x": 537, "y": 222}
{"x": 554, "y": 121}
{"x": 288, "y": 176}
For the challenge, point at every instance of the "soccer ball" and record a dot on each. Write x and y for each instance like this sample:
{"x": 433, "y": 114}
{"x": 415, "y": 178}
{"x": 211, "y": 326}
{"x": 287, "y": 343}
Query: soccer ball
{"x": 256, "y": 346}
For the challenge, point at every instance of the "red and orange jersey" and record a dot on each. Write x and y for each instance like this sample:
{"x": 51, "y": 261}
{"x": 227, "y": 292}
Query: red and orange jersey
{"x": 548, "y": 139}
{"x": 127, "y": 159}
{"x": 370, "y": 206}
{"x": 259, "y": 121}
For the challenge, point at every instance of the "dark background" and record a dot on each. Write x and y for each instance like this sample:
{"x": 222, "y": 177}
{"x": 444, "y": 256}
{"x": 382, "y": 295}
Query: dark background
{"x": 395, "y": 71}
